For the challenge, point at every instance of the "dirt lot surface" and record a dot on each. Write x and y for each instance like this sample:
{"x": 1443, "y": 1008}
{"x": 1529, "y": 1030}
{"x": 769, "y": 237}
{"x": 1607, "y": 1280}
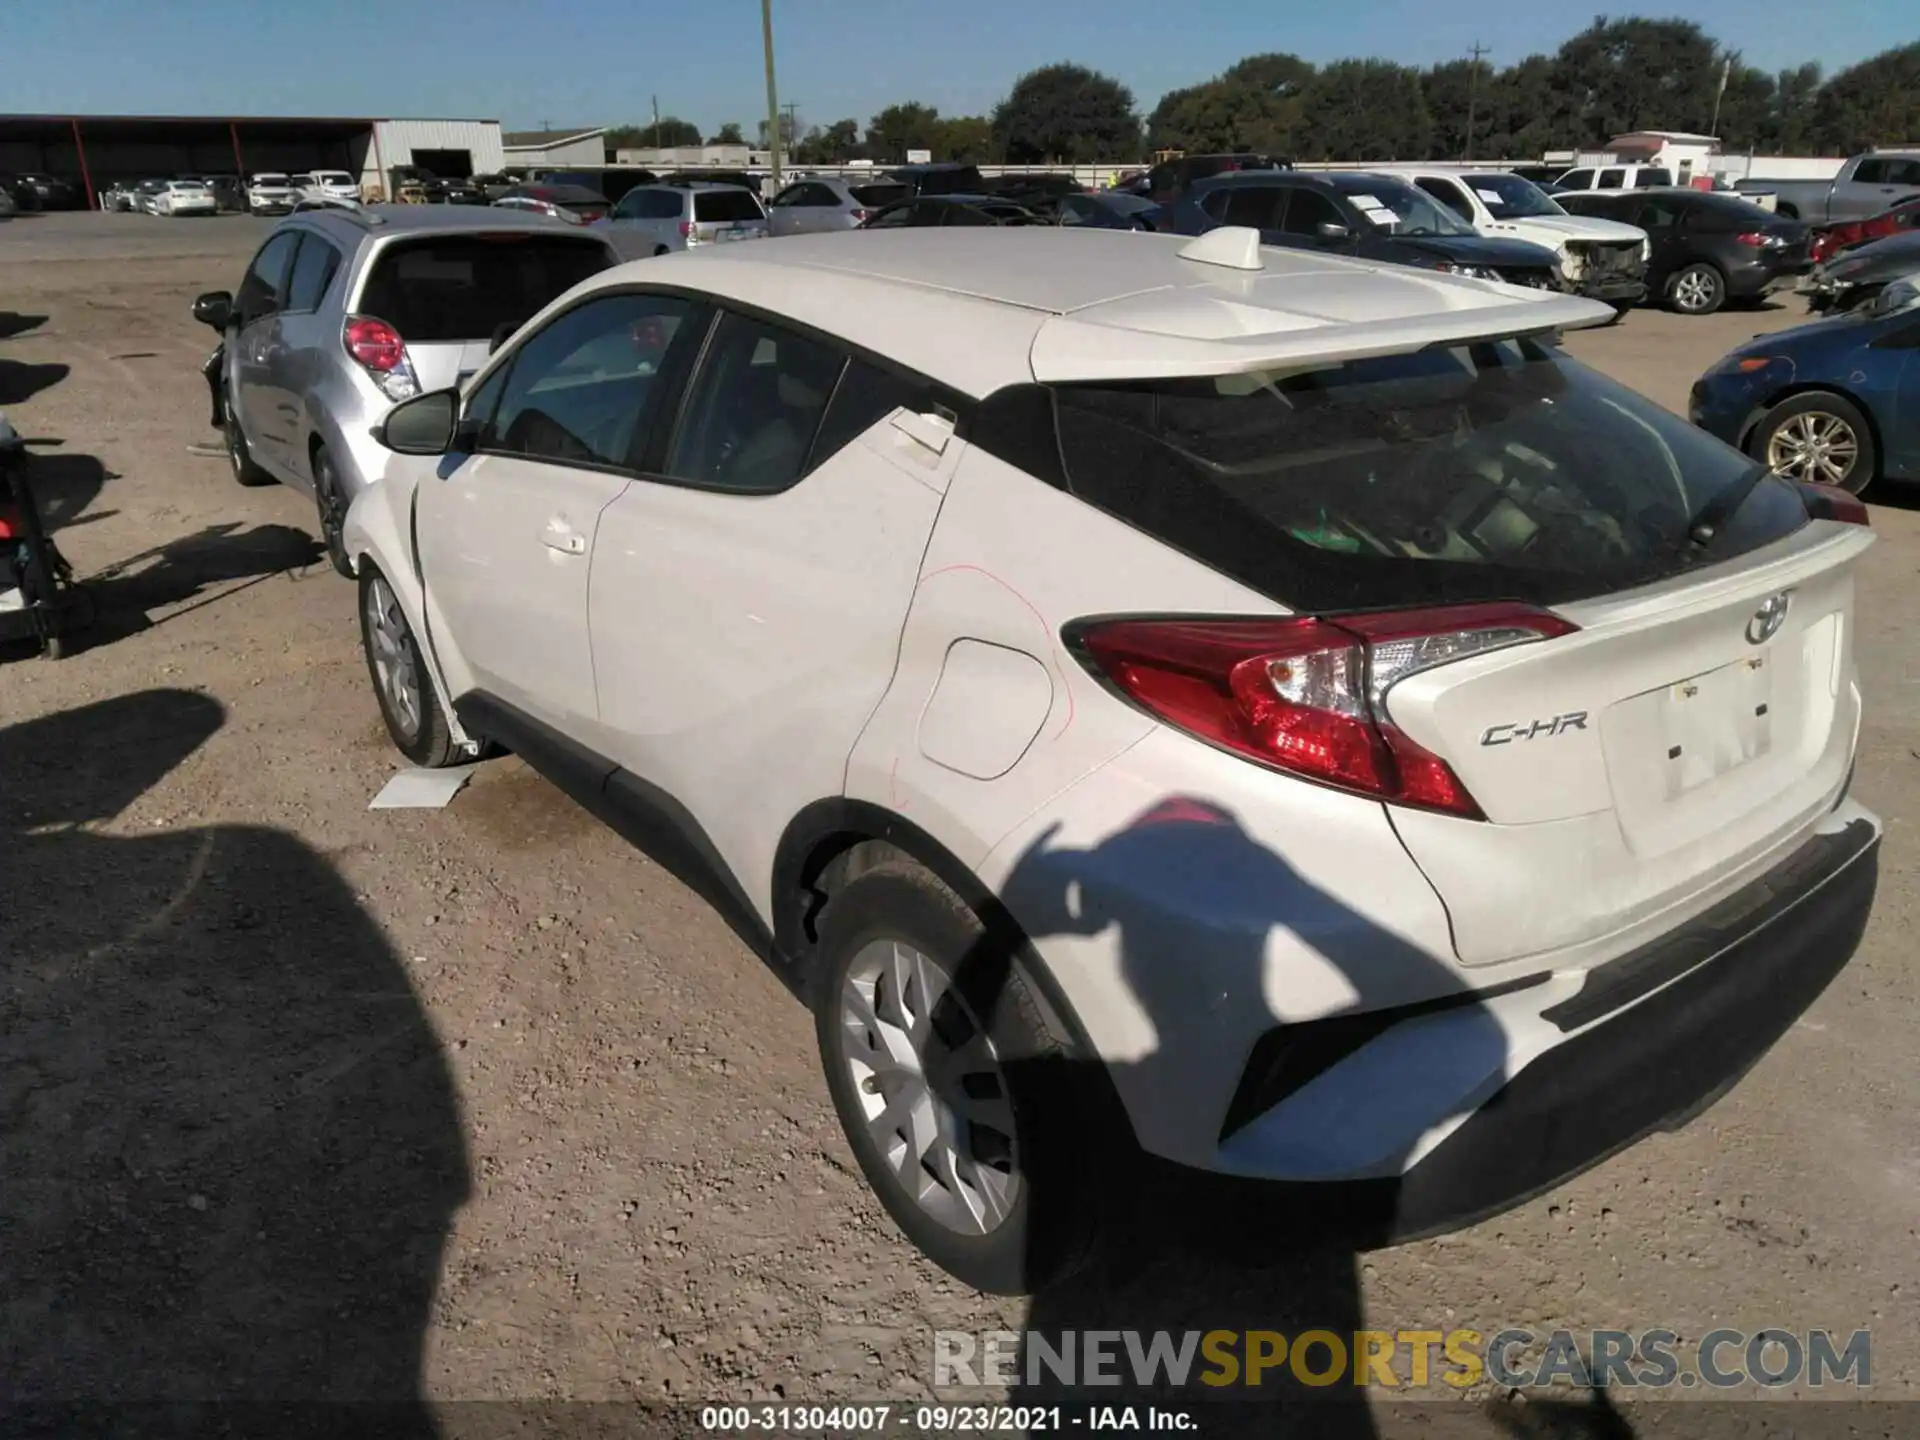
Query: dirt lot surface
{"x": 299, "y": 1099}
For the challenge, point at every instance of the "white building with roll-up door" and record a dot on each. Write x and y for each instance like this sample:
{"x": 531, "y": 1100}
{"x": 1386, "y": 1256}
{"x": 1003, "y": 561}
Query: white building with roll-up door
{"x": 451, "y": 149}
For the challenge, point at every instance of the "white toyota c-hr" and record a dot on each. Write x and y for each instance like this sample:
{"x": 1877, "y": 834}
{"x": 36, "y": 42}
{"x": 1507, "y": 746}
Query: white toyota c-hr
{"x": 1271, "y": 712}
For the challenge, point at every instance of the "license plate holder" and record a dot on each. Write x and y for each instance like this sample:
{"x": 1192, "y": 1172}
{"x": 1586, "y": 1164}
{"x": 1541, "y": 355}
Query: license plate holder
{"x": 1716, "y": 723}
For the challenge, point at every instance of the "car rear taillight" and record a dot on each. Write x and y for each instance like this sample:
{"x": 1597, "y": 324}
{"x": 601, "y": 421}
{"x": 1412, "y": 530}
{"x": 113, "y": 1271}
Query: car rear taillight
{"x": 860, "y": 217}
{"x": 380, "y": 351}
{"x": 1756, "y": 238}
{"x": 1307, "y": 696}
{"x": 1830, "y": 502}
{"x": 686, "y": 227}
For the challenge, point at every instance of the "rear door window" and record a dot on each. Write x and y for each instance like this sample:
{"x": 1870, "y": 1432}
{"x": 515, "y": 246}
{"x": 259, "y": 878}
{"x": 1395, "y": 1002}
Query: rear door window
{"x": 1255, "y": 206}
{"x": 1492, "y": 471}
{"x": 725, "y": 207}
{"x": 753, "y": 408}
{"x": 1874, "y": 172}
{"x": 1449, "y": 195}
{"x": 1577, "y": 180}
{"x": 1613, "y": 179}
{"x": 579, "y": 391}
{"x": 464, "y": 287}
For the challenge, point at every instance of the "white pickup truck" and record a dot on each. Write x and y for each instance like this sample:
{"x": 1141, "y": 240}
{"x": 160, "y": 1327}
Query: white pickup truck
{"x": 1868, "y": 184}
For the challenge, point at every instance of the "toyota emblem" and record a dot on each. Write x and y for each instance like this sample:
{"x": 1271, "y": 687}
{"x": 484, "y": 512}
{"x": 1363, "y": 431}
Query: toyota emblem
{"x": 1768, "y": 619}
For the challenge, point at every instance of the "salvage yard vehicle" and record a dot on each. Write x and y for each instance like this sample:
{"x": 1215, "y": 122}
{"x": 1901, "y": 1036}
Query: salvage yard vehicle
{"x": 184, "y": 197}
{"x": 1708, "y": 247}
{"x": 1109, "y": 210}
{"x": 119, "y": 198}
{"x": 1854, "y": 277}
{"x": 1837, "y": 401}
{"x": 344, "y": 311}
{"x": 660, "y": 219}
{"x": 1362, "y": 215}
{"x": 827, "y": 202}
{"x": 1865, "y": 185}
{"x": 1274, "y": 713}
{"x": 1831, "y": 240}
{"x": 930, "y": 210}
{"x": 327, "y": 185}
{"x": 574, "y": 204}
{"x": 270, "y": 193}
{"x": 1601, "y": 259}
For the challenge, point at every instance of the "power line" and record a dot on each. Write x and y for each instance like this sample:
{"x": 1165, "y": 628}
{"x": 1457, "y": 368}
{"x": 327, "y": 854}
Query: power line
{"x": 1473, "y": 87}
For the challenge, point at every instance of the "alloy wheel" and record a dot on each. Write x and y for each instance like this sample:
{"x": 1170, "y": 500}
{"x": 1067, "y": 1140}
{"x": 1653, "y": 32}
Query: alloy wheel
{"x": 1694, "y": 290}
{"x": 930, "y": 1087}
{"x": 390, "y": 646}
{"x": 1814, "y": 445}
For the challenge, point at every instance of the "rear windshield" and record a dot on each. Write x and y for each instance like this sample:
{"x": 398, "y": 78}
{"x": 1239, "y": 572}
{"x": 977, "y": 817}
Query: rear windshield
{"x": 874, "y": 196}
{"x": 269, "y": 179}
{"x": 1494, "y": 471}
{"x": 1726, "y": 212}
{"x": 464, "y": 287}
{"x": 726, "y": 205}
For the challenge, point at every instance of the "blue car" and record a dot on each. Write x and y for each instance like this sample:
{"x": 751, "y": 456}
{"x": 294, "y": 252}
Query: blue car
{"x": 1835, "y": 403}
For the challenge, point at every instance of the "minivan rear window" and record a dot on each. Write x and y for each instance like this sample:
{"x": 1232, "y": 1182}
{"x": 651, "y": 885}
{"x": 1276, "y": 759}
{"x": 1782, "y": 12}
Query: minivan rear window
{"x": 874, "y": 196}
{"x": 464, "y": 287}
{"x": 726, "y": 206}
{"x": 1486, "y": 472}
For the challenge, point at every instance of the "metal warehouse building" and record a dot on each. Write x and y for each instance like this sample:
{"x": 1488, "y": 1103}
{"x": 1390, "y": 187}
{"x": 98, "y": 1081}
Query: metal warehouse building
{"x": 95, "y": 150}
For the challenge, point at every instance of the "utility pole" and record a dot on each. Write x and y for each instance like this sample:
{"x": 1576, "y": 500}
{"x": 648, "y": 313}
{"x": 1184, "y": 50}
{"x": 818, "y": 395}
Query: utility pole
{"x": 1726, "y": 69}
{"x": 1473, "y": 94}
{"x": 792, "y": 107}
{"x": 656, "y": 121}
{"x": 773, "y": 95}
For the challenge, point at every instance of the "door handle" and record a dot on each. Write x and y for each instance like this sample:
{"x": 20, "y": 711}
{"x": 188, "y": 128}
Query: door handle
{"x": 563, "y": 537}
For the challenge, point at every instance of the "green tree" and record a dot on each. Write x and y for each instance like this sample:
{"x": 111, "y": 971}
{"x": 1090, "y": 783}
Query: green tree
{"x": 1876, "y": 102}
{"x": 730, "y": 134}
{"x": 1366, "y": 110}
{"x": 1790, "y": 125}
{"x": 900, "y": 128}
{"x": 623, "y": 137}
{"x": 966, "y": 138}
{"x": 839, "y": 141}
{"x": 1066, "y": 113}
{"x": 1455, "y": 93}
{"x": 1622, "y": 75}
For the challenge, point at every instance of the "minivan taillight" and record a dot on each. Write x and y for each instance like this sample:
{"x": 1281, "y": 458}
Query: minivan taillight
{"x": 686, "y": 227}
{"x": 380, "y": 351}
{"x": 1307, "y": 695}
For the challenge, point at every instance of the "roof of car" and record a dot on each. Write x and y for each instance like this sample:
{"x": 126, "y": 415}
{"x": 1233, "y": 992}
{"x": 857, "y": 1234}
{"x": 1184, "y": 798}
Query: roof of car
{"x": 978, "y": 309}
{"x": 385, "y": 220}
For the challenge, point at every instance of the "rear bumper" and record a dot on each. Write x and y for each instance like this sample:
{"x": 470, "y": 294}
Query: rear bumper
{"x": 1733, "y": 982}
{"x": 1461, "y": 1105}
{"x": 1763, "y": 277}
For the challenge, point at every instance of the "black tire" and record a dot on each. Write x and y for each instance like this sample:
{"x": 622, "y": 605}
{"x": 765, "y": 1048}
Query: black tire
{"x": 659, "y": 250}
{"x": 1051, "y": 1223}
{"x": 1811, "y": 407}
{"x": 240, "y": 454}
{"x": 423, "y": 738}
{"x": 1702, "y": 279}
{"x": 1787, "y": 212}
{"x": 1620, "y": 309}
{"x": 330, "y": 508}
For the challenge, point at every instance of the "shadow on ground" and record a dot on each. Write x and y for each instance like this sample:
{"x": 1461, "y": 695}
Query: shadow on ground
{"x": 13, "y": 323}
{"x": 230, "y": 1146}
{"x": 20, "y": 382}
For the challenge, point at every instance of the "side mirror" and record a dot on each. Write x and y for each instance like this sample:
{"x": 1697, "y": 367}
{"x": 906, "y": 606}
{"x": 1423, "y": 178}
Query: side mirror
{"x": 1332, "y": 233}
{"x": 214, "y": 309}
{"x": 424, "y": 425}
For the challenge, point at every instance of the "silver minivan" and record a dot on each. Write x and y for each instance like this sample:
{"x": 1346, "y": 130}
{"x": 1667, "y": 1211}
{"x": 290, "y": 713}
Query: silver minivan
{"x": 342, "y": 313}
{"x": 659, "y": 219}
{"x": 827, "y": 202}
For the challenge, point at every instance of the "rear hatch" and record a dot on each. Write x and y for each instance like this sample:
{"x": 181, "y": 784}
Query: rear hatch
{"x": 445, "y": 295}
{"x": 725, "y": 213}
{"x": 1650, "y": 695}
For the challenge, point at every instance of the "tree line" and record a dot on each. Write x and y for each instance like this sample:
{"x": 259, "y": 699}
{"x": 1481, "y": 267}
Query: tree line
{"x": 1613, "y": 77}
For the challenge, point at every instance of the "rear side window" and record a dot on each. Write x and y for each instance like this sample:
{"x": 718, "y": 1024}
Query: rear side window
{"x": 1577, "y": 179}
{"x": 1612, "y": 179}
{"x": 1449, "y": 195}
{"x": 1874, "y": 172}
{"x": 577, "y": 391}
{"x": 754, "y": 408}
{"x": 865, "y": 396}
{"x": 464, "y": 287}
{"x": 1496, "y": 471}
{"x": 872, "y": 196}
{"x": 313, "y": 270}
{"x": 726, "y": 206}
{"x": 1308, "y": 210}
{"x": 1255, "y": 206}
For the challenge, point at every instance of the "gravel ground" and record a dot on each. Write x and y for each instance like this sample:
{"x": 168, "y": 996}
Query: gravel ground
{"x": 301, "y": 1100}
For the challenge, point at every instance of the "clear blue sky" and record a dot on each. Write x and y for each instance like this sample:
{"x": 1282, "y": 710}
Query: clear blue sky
{"x": 570, "y": 62}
